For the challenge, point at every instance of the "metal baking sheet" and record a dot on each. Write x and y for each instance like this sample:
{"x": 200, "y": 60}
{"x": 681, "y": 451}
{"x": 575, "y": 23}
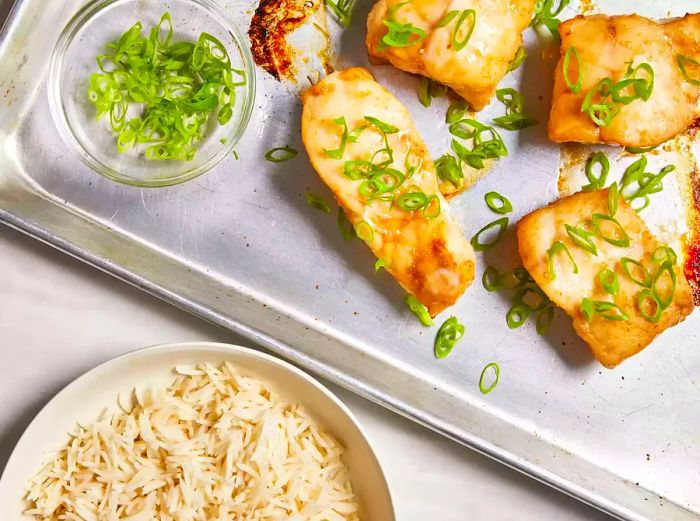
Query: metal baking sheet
{"x": 240, "y": 248}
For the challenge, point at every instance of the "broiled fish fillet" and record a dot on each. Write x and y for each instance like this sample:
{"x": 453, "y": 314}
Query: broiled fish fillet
{"x": 472, "y": 72}
{"x": 429, "y": 257}
{"x": 607, "y": 45}
{"x": 611, "y": 341}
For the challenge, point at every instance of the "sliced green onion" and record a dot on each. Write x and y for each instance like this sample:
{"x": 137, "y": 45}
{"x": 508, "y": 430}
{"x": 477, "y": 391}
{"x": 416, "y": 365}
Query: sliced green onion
{"x": 530, "y": 295}
{"x": 381, "y": 263}
{"x": 347, "y": 232}
{"x": 412, "y": 201}
{"x": 543, "y": 321}
{"x": 613, "y": 199}
{"x": 512, "y": 99}
{"x": 364, "y": 231}
{"x": 279, "y": 154}
{"x": 576, "y": 86}
{"x": 663, "y": 254}
{"x": 683, "y": 63}
{"x": 493, "y": 366}
{"x": 424, "y": 92}
{"x": 638, "y": 86}
{"x": 338, "y": 153}
{"x": 449, "y": 16}
{"x": 518, "y": 59}
{"x": 398, "y": 34}
{"x": 606, "y": 310}
{"x": 419, "y": 310}
{"x": 649, "y": 306}
{"x": 640, "y": 150}
{"x": 609, "y": 282}
{"x": 597, "y": 181}
{"x": 620, "y": 238}
{"x": 553, "y": 250}
{"x": 468, "y": 16}
{"x": 456, "y": 111}
{"x": 642, "y": 276}
{"x": 450, "y": 332}
{"x": 314, "y": 201}
{"x": 490, "y": 279}
{"x": 501, "y": 224}
{"x": 381, "y": 125}
{"x": 493, "y": 280}
{"x": 514, "y": 121}
{"x": 498, "y": 203}
{"x": 517, "y": 315}
{"x": 449, "y": 169}
{"x": 342, "y": 10}
{"x": 664, "y": 300}
{"x": 432, "y": 207}
{"x": 581, "y": 238}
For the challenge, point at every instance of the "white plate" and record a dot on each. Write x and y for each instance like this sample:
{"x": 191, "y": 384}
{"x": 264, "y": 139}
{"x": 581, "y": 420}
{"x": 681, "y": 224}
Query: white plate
{"x": 84, "y": 399}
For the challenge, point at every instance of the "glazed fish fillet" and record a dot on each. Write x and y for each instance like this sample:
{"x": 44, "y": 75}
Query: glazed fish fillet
{"x": 611, "y": 341}
{"x": 612, "y": 47}
{"x": 472, "y": 71}
{"x": 422, "y": 248}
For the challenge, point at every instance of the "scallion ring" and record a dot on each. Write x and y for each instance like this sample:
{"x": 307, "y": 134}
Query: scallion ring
{"x": 314, "y": 201}
{"x": 606, "y": 310}
{"x": 664, "y": 295}
{"x": 597, "y": 181}
{"x": 498, "y": 203}
{"x": 544, "y": 318}
{"x": 501, "y": 224}
{"x": 517, "y": 315}
{"x": 418, "y": 309}
{"x": 279, "y": 154}
{"x": 649, "y": 306}
{"x": 364, "y": 231}
{"x": 338, "y": 153}
{"x": 450, "y": 332}
{"x": 553, "y": 250}
{"x": 347, "y": 231}
{"x": 613, "y": 199}
{"x": 608, "y": 281}
{"x": 486, "y": 389}
{"x": 381, "y": 263}
{"x": 576, "y": 86}
{"x": 581, "y": 238}
{"x": 618, "y": 237}
{"x": 456, "y": 111}
{"x": 641, "y": 277}
{"x": 412, "y": 201}
{"x": 683, "y": 63}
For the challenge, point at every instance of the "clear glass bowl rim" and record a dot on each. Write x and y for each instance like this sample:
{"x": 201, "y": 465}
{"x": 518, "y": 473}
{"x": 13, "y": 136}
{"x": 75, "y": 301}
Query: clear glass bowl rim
{"x": 74, "y": 26}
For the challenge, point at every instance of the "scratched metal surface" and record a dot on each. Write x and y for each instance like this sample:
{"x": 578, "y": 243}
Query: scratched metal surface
{"x": 240, "y": 248}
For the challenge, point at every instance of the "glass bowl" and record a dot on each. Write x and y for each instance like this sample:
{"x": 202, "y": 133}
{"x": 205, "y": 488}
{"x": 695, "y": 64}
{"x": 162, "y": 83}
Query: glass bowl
{"x": 75, "y": 58}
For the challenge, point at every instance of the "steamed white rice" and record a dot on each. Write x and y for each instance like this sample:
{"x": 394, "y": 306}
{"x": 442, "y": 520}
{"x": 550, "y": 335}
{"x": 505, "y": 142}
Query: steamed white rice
{"x": 215, "y": 445}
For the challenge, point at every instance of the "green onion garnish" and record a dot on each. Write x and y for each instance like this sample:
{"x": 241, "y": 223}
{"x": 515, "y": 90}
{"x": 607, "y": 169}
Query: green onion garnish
{"x": 338, "y": 153}
{"x": 364, "y": 231}
{"x": 514, "y": 121}
{"x": 641, "y": 277}
{"x": 618, "y": 237}
{"x": 314, "y": 201}
{"x": 520, "y": 56}
{"x": 347, "y": 232}
{"x": 596, "y": 182}
{"x": 449, "y": 169}
{"x": 575, "y": 87}
{"x": 381, "y": 263}
{"x": 498, "y": 203}
{"x": 467, "y": 16}
{"x": 178, "y": 85}
{"x": 279, "y": 154}
{"x": 501, "y": 224}
{"x": 606, "y": 310}
{"x": 640, "y": 150}
{"x": 517, "y": 315}
{"x": 450, "y": 332}
{"x": 683, "y": 63}
{"x": 493, "y": 280}
{"x": 430, "y": 89}
{"x": 608, "y": 281}
{"x": 419, "y": 310}
{"x": 456, "y": 111}
{"x": 381, "y": 125}
{"x": 342, "y": 10}
{"x": 398, "y": 34}
{"x": 546, "y": 14}
{"x": 613, "y": 199}
{"x": 412, "y": 201}
{"x": 657, "y": 287}
{"x": 543, "y": 321}
{"x": 432, "y": 208}
{"x": 493, "y": 366}
{"x": 581, "y": 238}
{"x": 553, "y": 250}
{"x": 663, "y": 254}
{"x": 649, "y": 306}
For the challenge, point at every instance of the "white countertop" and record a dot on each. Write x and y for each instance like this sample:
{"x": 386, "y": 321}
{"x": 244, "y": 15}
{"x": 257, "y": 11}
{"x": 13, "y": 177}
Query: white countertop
{"x": 60, "y": 317}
